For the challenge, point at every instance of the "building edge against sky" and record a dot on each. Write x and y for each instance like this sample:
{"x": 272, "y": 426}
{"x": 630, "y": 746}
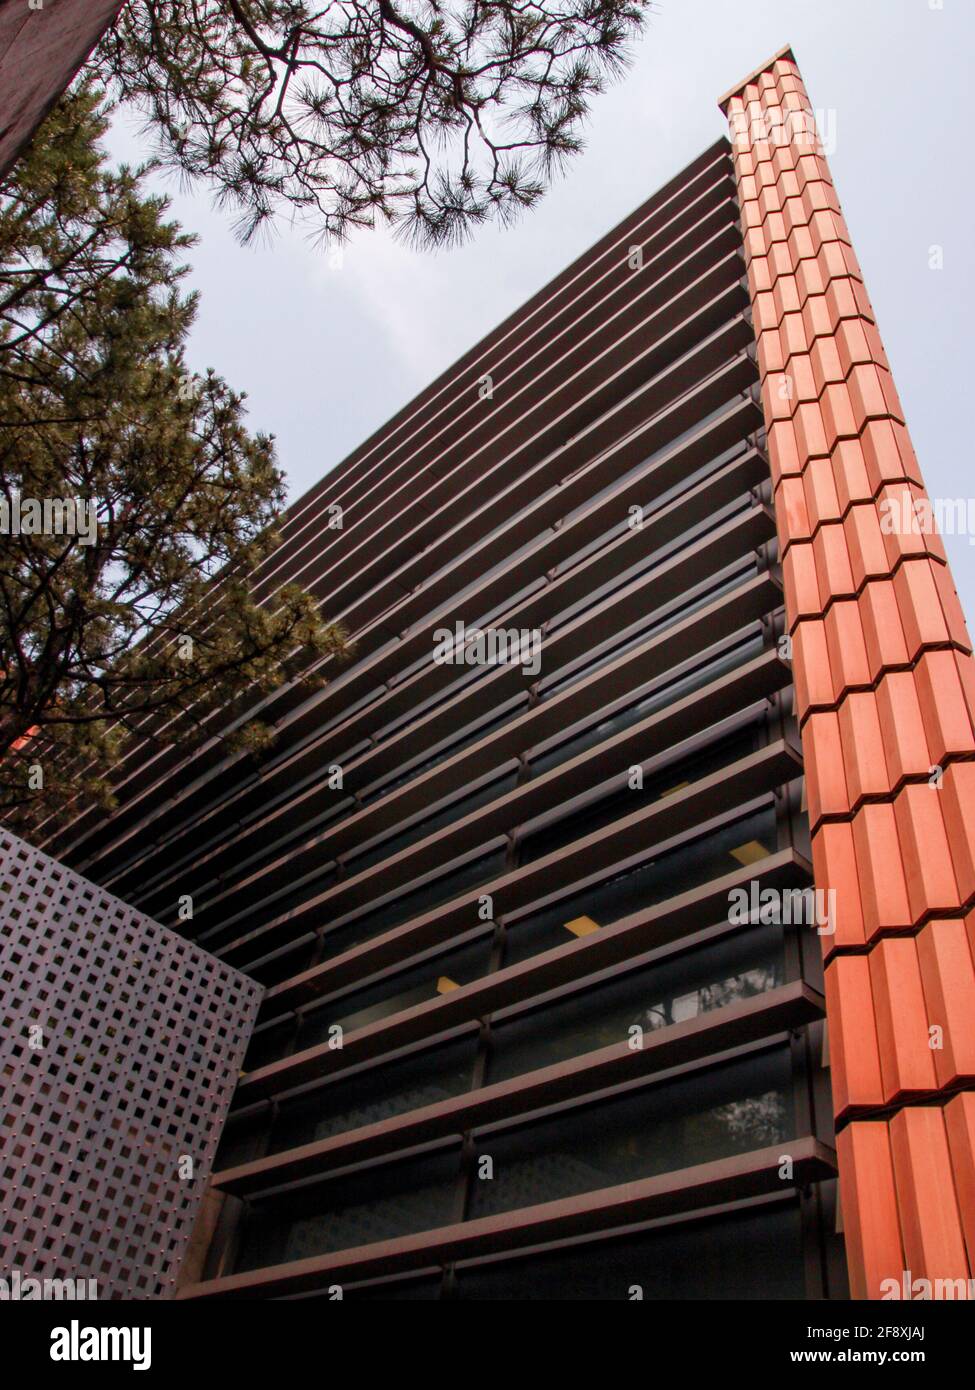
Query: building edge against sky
{"x": 41, "y": 49}
{"x": 513, "y": 1041}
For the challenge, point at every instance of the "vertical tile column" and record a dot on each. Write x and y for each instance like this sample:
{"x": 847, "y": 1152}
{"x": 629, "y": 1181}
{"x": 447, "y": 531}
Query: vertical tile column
{"x": 885, "y": 695}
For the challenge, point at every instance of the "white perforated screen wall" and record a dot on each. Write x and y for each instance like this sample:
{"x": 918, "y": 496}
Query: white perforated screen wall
{"x": 120, "y": 1046}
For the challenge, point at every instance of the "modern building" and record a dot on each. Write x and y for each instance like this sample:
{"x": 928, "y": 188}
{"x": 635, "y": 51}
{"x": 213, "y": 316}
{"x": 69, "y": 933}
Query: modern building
{"x": 43, "y": 43}
{"x": 640, "y": 662}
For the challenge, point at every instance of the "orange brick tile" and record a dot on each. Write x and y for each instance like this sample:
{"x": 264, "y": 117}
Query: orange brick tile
{"x": 834, "y": 259}
{"x": 868, "y": 1198}
{"x": 810, "y": 431}
{"x": 770, "y": 352}
{"x": 783, "y": 451}
{"x": 788, "y": 183}
{"x": 835, "y": 867}
{"x": 957, "y": 801}
{"x": 776, "y": 231}
{"x": 826, "y": 227}
{"x": 801, "y": 246}
{"x": 858, "y": 343}
{"x": 769, "y": 198}
{"x": 882, "y": 872}
{"x": 965, "y": 666}
{"x": 777, "y": 397}
{"x": 883, "y": 631}
{"x": 763, "y": 153}
{"x": 862, "y": 747}
{"x": 919, "y": 605}
{"x": 811, "y": 168}
{"x": 944, "y": 705}
{"x": 872, "y": 388}
{"x": 849, "y": 470}
{"x": 820, "y": 196}
{"x": 811, "y": 667}
{"x": 780, "y": 260}
{"x": 951, "y": 608}
{"x": 866, "y": 544}
{"x": 834, "y": 569}
{"x": 959, "y": 1116}
{"x": 934, "y": 1243}
{"x": 786, "y": 73}
{"x": 817, "y": 317}
{"x": 753, "y": 239}
{"x": 819, "y": 485}
{"x": 764, "y": 312}
{"x": 927, "y": 858}
{"x": 899, "y": 709}
{"x": 803, "y": 381}
{"x": 846, "y": 647}
{"x": 854, "y": 1057}
{"x": 846, "y": 299}
{"x": 747, "y": 188}
{"x": 800, "y": 579}
{"x": 827, "y": 364}
{"x": 826, "y": 783}
{"x": 793, "y": 331}
{"x": 759, "y": 274}
{"x": 840, "y": 420}
{"x": 948, "y": 974}
{"x": 906, "y": 523}
{"x": 888, "y": 454}
{"x": 906, "y": 1061}
{"x": 791, "y": 516}
{"x": 785, "y": 291}
{"x": 751, "y": 215}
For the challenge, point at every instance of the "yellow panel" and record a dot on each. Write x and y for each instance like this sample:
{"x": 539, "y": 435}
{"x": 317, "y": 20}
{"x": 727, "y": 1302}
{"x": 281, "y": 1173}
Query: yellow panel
{"x": 749, "y": 853}
{"x": 582, "y": 926}
{"x": 445, "y": 984}
{"x": 678, "y": 787}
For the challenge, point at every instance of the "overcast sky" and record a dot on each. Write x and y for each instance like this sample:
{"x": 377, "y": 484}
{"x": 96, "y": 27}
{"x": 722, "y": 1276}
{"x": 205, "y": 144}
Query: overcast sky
{"x": 328, "y": 352}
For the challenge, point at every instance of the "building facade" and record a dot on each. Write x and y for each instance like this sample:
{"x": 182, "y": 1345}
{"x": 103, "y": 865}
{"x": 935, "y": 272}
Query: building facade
{"x": 552, "y": 886}
{"x": 43, "y": 43}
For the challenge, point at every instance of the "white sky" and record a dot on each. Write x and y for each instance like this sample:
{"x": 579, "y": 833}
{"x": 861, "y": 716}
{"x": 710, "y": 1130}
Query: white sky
{"x": 328, "y": 353}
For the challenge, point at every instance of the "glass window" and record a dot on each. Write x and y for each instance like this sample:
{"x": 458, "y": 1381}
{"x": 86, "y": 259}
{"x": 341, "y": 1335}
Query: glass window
{"x": 754, "y": 1254}
{"x": 686, "y": 867}
{"x": 658, "y": 698}
{"x": 388, "y": 1089}
{"x": 449, "y": 815}
{"x": 689, "y": 768}
{"x": 434, "y": 976}
{"x": 393, "y": 1199}
{"x": 446, "y": 748}
{"x": 737, "y": 966}
{"x": 412, "y": 904}
{"x": 709, "y": 1114}
{"x": 658, "y": 620}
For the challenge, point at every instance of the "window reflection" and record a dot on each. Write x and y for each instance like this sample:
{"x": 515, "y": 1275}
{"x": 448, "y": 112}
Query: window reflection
{"x": 707, "y": 1115}
{"x": 650, "y": 997}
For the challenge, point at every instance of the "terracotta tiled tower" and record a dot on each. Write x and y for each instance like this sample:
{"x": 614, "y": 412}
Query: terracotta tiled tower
{"x": 885, "y": 689}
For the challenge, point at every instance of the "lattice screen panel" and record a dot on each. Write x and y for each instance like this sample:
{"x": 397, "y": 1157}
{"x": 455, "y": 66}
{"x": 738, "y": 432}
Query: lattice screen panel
{"x": 120, "y": 1046}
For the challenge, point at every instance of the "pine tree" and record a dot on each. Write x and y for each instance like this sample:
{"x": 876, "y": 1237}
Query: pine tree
{"x": 131, "y": 609}
{"x": 431, "y": 114}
